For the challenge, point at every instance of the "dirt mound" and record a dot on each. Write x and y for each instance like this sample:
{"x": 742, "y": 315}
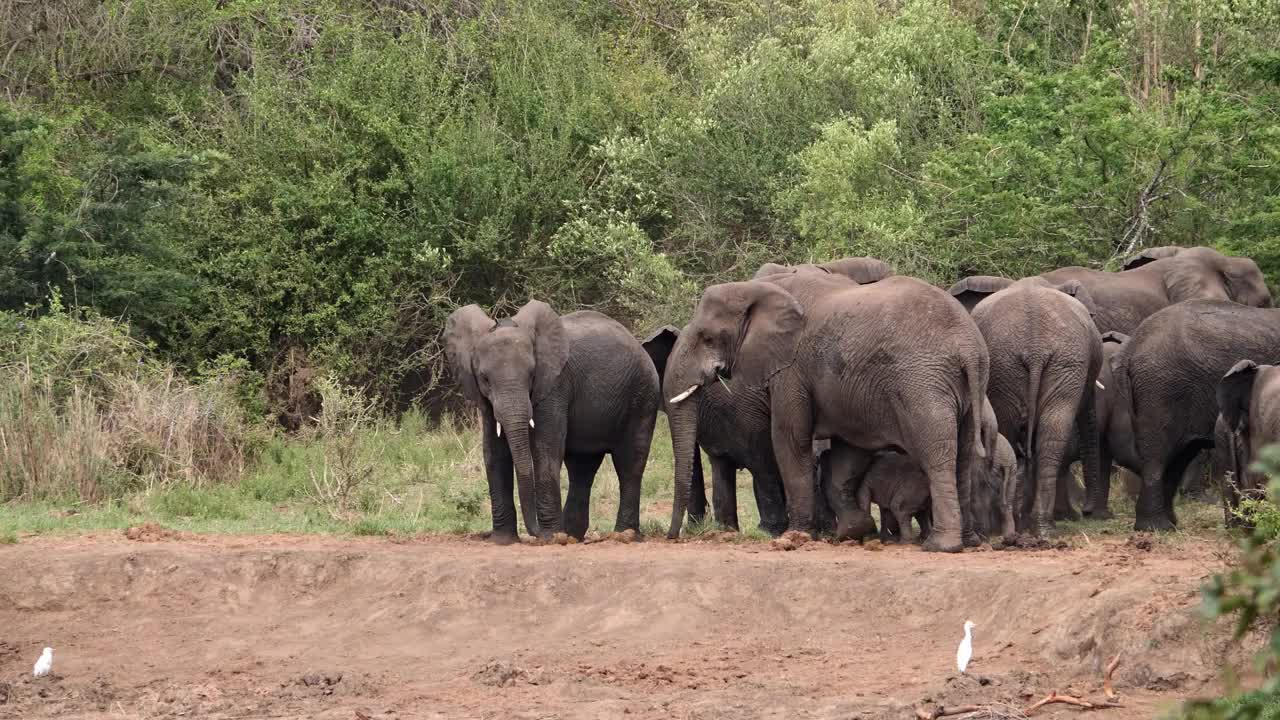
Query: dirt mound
{"x": 314, "y": 627}
{"x": 153, "y": 532}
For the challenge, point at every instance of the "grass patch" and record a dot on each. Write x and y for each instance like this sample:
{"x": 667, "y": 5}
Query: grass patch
{"x": 8, "y": 538}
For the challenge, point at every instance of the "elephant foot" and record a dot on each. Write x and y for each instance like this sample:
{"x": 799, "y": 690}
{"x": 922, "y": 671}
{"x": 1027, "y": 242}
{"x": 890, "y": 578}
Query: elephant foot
{"x": 936, "y": 544}
{"x": 503, "y": 538}
{"x": 1150, "y": 524}
{"x": 1067, "y": 513}
{"x": 772, "y": 530}
{"x": 1102, "y": 514}
{"x": 972, "y": 539}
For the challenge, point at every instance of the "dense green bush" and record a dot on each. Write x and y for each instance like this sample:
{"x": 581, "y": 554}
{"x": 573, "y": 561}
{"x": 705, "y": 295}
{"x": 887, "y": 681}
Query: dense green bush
{"x": 311, "y": 186}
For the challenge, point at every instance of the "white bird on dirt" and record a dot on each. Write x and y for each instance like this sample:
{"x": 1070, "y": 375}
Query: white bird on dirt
{"x": 965, "y": 652}
{"x": 44, "y": 665}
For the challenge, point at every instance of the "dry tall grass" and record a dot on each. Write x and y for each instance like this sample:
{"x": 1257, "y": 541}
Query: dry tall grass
{"x": 144, "y": 429}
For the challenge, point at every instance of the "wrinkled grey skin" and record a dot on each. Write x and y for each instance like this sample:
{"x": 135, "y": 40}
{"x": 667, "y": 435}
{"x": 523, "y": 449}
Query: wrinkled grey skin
{"x": 733, "y": 431}
{"x": 1169, "y": 373}
{"x": 1116, "y": 445}
{"x": 901, "y": 489}
{"x": 1160, "y": 277}
{"x": 896, "y": 483}
{"x": 1249, "y": 420}
{"x": 825, "y": 344}
{"x": 733, "y": 427}
{"x": 1045, "y": 358}
{"x": 565, "y": 390}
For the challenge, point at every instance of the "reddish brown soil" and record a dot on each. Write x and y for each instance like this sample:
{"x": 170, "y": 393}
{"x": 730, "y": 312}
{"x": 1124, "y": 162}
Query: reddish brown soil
{"x": 449, "y": 628}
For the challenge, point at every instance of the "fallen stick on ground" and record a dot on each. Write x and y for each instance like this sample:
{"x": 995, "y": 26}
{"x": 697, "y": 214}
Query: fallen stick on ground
{"x": 1107, "y": 688}
{"x": 1054, "y": 697}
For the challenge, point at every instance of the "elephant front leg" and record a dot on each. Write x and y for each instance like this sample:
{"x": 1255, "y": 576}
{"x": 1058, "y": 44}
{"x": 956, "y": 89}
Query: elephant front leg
{"x": 697, "y": 490}
{"x": 771, "y": 501}
{"x": 792, "y": 433}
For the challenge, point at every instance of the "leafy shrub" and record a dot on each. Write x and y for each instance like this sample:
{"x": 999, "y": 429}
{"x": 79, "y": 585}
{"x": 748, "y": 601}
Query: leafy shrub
{"x": 1251, "y": 593}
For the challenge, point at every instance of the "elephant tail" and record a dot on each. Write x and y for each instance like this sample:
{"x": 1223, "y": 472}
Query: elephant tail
{"x": 977, "y": 393}
{"x": 1035, "y": 369}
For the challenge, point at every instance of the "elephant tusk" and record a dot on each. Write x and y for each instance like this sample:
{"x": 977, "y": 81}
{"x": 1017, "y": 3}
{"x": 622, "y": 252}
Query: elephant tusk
{"x": 499, "y": 428}
{"x": 531, "y": 423}
{"x": 684, "y": 395}
{"x": 1100, "y": 385}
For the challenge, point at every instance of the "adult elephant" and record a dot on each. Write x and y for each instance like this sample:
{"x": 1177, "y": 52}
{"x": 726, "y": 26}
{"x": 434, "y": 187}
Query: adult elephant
{"x": 1169, "y": 372}
{"x": 733, "y": 428}
{"x": 733, "y": 431}
{"x": 555, "y": 389}
{"x": 1249, "y": 403}
{"x": 894, "y": 364}
{"x": 1045, "y": 358}
{"x": 1161, "y": 277}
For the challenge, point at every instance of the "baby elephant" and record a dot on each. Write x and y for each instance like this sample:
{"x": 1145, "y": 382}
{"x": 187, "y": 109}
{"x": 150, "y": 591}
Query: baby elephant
{"x": 1249, "y": 400}
{"x": 901, "y": 489}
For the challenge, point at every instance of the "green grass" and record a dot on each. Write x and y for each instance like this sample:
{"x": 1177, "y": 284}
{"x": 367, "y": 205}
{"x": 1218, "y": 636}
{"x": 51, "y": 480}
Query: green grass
{"x": 425, "y": 480}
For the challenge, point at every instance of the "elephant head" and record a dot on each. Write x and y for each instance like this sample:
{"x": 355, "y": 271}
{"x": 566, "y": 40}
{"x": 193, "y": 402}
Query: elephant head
{"x": 1201, "y": 273}
{"x": 507, "y": 367}
{"x": 743, "y": 332}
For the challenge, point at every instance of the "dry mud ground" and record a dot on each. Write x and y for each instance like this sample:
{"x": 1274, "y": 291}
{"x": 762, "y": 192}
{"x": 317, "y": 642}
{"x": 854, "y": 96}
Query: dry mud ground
{"x": 282, "y": 627}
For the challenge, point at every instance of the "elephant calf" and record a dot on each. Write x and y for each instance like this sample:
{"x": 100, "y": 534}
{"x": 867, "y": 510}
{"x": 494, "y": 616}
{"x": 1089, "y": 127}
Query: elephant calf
{"x": 901, "y": 489}
{"x": 555, "y": 390}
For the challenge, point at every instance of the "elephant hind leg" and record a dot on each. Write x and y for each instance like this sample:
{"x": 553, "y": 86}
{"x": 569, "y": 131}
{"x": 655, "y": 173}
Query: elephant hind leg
{"x": 629, "y": 460}
{"x": 936, "y": 446}
{"x": 577, "y": 505}
{"x": 724, "y": 492}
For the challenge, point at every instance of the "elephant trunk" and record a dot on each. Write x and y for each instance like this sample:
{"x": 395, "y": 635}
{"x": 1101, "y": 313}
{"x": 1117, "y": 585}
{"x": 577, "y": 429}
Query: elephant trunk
{"x": 683, "y": 417}
{"x": 513, "y": 411}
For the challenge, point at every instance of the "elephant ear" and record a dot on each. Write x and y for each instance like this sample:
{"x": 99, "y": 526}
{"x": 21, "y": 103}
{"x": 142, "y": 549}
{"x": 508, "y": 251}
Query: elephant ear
{"x": 974, "y": 289}
{"x": 762, "y": 322}
{"x": 862, "y": 270}
{"x": 1235, "y": 391}
{"x": 1150, "y": 255}
{"x": 462, "y": 331}
{"x": 1193, "y": 277}
{"x": 659, "y": 345}
{"x": 1080, "y": 293}
{"x": 550, "y": 345}
{"x": 770, "y": 268}
{"x": 1112, "y": 336}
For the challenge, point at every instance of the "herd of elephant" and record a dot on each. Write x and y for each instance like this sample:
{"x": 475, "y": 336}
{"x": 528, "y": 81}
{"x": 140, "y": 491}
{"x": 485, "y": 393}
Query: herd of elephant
{"x": 843, "y": 384}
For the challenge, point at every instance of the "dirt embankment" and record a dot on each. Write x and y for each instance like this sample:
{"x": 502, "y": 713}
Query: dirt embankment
{"x": 442, "y": 628}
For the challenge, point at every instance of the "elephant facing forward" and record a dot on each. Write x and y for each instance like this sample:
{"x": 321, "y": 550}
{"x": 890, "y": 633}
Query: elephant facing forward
{"x": 1249, "y": 403}
{"x": 555, "y": 390}
{"x": 901, "y": 353}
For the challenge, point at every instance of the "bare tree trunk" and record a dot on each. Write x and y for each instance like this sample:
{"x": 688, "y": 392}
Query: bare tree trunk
{"x": 1197, "y": 67}
{"x": 1088, "y": 32}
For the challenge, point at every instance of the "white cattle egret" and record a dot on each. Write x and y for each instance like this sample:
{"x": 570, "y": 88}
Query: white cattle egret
{"x": 966, "y": 646}
{"x": 44, "y": 665}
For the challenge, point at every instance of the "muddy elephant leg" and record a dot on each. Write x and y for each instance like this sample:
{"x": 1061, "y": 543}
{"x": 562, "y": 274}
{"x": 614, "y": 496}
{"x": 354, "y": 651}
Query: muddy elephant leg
{"x": 936, "y": 446}
{"x": 500, "y": 472}
{"x": 847, "y": 467}
{"x": 577, "y": 504}
{"x": 1062, "y": 509}
{"x": 1052, "y": 435}
{"x": 824, "y": 519}
{"x": 724, "y": 492}
{"x": 792, "y": 433}
{"x": 697, "y": 490}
